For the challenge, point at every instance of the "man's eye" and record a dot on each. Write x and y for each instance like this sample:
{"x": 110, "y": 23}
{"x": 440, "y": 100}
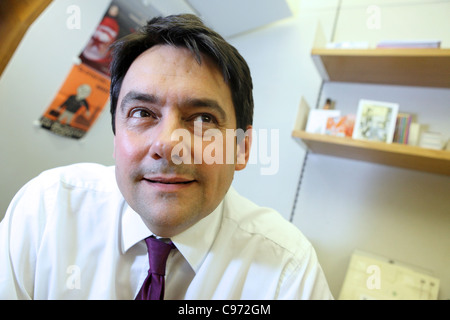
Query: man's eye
{"x": 206, "y": 118}
{"x": 140, "y": 113}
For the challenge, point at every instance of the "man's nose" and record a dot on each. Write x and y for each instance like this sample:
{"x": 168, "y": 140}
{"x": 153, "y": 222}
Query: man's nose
{"x": 162, "y": 141}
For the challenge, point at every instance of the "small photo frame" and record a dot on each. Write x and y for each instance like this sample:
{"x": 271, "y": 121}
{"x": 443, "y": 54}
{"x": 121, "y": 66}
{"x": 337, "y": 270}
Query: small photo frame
{"x": 375, "y": 121}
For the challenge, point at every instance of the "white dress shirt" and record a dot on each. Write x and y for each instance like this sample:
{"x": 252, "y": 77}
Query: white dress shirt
{"x": 69, "y": 234}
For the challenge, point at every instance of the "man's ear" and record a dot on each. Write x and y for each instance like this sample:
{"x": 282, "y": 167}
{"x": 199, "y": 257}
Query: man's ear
{"x": 243, "y": 149}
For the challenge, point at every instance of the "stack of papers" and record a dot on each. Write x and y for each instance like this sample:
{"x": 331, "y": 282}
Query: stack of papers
{"x": 432, "y": 140}
{"x": 409, "y": 44}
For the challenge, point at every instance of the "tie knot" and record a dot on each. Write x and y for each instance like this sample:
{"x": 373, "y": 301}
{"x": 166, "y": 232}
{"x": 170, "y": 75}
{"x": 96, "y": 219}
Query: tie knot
{"x": 158, "y": 251}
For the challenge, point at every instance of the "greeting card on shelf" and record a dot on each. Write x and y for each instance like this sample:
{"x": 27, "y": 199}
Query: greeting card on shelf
{"x": 375, "y": 120}
{"x": 341, "y": 126}
{"x": 317, "y": 119}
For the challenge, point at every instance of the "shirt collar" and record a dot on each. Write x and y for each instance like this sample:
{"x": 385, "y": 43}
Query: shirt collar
{"x": 133, "y": 228}
{"x": 193, "y": 243}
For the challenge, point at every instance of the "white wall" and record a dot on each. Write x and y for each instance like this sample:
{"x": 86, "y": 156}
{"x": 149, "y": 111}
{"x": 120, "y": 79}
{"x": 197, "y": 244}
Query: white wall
{"x": 401, "y": 214}
{"x": 28, "y": 85}
{"x": 342, "y": 204}
{"x": 279, "y": 59}
{"x": 345, "y": 205}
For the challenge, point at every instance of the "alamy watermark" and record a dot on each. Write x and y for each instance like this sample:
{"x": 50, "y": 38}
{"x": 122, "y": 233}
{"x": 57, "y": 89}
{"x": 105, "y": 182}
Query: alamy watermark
{"x": 373, "y": 21}
{"x": 73, "y": 280}
{"x": 228, "y": 148}
{"x": 374, "y": 279}
{"x": 73, "y": 21}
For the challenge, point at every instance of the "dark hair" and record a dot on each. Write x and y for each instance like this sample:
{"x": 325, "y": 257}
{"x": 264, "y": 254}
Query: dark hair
{"x": 188, "y": 31}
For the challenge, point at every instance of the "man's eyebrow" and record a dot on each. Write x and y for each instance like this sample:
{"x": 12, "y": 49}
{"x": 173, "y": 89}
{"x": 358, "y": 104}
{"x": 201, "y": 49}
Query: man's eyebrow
{"x": 134, "y": 96}
{"x": 209, "y": 103}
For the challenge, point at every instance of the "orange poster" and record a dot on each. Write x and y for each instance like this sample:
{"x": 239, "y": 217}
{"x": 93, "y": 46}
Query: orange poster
{"x": 78, "y": 103}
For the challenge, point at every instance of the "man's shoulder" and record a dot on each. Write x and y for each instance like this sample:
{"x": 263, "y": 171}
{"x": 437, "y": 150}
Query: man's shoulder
{"x": 264, "y": 222}
{"x": 79, "y": 175}
{"x": 61, "y": 191}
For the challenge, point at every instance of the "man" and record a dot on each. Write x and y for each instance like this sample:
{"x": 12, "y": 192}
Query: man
{"x": 86, "y": 231}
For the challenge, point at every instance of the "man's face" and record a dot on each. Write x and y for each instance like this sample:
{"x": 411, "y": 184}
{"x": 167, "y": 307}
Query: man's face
{"x": 164, "y": 91}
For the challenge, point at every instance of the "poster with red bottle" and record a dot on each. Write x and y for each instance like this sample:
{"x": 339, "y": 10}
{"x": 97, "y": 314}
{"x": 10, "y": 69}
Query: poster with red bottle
{"x": 120, "y": 19}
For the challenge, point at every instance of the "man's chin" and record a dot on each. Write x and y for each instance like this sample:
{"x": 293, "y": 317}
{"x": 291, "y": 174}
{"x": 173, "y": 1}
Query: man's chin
{"x": 168, "y": 223}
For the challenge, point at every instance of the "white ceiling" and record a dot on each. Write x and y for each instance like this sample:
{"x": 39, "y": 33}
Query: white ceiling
{"x": 228, "y": 17}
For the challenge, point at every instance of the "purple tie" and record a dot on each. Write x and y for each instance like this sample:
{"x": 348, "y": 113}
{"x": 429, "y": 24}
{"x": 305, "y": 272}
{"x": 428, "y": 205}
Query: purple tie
{"x": 153, "y": 286}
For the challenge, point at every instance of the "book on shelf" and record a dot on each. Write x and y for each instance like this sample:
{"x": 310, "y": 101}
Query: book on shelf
{"x": 413, "y": 44}
{"x": 415, "y": 129}
{"x": 402, "y": 126}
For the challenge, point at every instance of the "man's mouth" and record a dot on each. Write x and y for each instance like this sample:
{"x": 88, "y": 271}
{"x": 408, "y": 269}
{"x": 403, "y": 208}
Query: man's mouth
{"x": 168, "y": 180}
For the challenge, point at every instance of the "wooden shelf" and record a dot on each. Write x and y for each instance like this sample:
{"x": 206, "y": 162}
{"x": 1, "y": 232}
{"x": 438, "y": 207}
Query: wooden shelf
{"x": 394, "y": 154}
{"x": 408, "y": 67}
{"x": 411, "y": 67}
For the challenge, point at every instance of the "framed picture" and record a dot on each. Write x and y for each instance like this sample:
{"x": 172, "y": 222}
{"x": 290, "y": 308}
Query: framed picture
{"x": 375, "y": 120}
